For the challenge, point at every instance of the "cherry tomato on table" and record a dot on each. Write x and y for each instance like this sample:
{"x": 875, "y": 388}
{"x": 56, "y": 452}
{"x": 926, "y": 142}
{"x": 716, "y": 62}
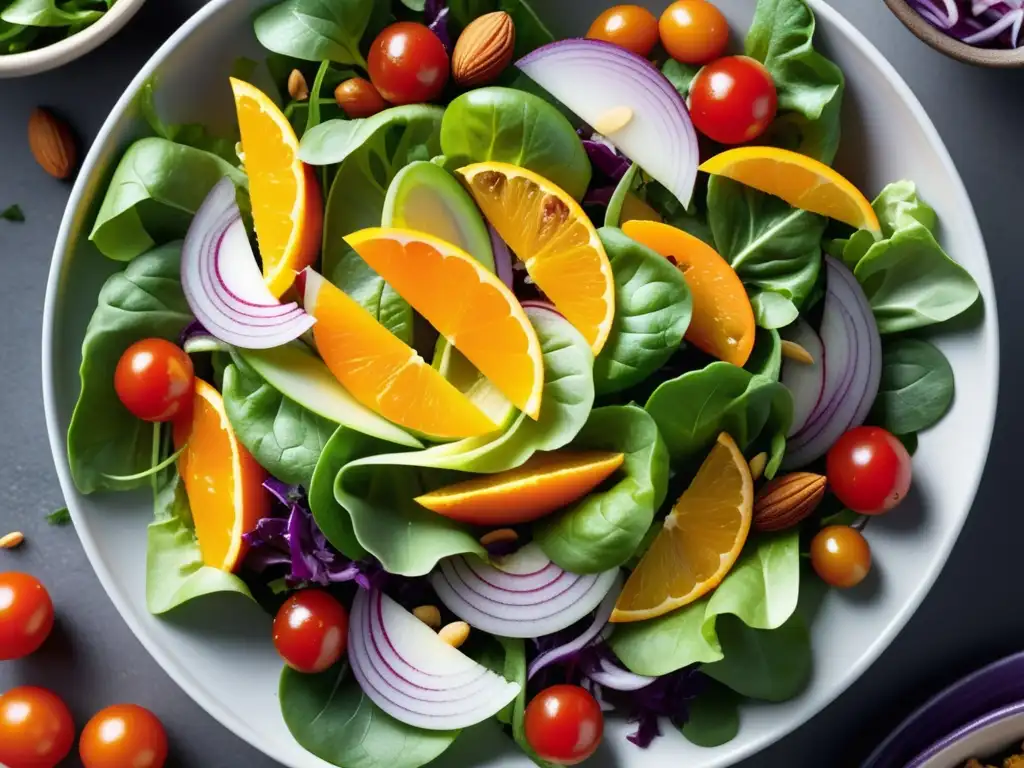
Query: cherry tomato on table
{"x": 359, "y": 98}
{"x": 840, "y": 555}
{"x": 123, "y": 735}
{"x": 733, "y": 100}
{"x": 869, "y": 470}
{"x": 693, "y": 31}
{"x": 36, "y": 729}
{"x": 628, "y": 26}
{"x": 311, "y": 631}
{"x": 408, "y": 63}
{"x": 154, "y": 380}
{"x": 564, "y": 724}
{"x": 26, "y": 615}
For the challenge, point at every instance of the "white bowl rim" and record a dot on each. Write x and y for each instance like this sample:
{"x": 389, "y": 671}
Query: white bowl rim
{"x": 730, "y": 754}
{"x": 60, "y": 53}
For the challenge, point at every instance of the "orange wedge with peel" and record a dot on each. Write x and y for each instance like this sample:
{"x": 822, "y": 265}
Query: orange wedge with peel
{"x": 470, "y": 307}
{"x": 723, "y": 320}
{"x": 545, "y": 483}
{"x": 383, "y": 372}
{"x": 549, "y": 232}
{"x": 223, "y": 481}
{"x": 801, "y": 181}
{"x": 700, "y": 541}
{"x": 287, "y": 205}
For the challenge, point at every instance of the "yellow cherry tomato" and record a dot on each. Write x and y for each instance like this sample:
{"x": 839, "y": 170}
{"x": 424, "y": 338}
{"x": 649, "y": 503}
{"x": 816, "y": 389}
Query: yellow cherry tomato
{"x": 628, "y": 26}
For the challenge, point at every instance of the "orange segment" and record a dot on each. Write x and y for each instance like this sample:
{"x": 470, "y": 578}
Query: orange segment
{"x": 467, "y": 305}
{"x": 223, "y": 481}
{"x": 723, "y": 320}
{"x": 702, "y": 537}
{"x": 383, "y": 372}
{"x": 801, "y": 181}
{"x": 549, "y": 232}
{"x": 287, "y": 208}
{"x": 548, "y": 481}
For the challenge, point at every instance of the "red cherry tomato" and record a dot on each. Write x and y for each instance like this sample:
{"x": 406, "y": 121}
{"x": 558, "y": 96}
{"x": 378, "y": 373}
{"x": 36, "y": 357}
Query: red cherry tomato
{"x": 154, "y": 380}
{"x": 693, "y": 31}
{"x": 311, "y": 631}
{"x": 564, "y": 724}
{"x": 733, "y": 100}
{"x": 408, "y": 63}
{"x": 359, "y": 98}
{"x": 869, "y": 470}
{"x": 840, "y": 555}
{"x": 36, "y": 729}
{"x": 26, "y": 615}
{"x": 123, "y": 736}
{"x": 628, "y": 26}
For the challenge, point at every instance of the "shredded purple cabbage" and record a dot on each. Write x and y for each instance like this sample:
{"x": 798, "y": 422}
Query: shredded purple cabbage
{"x": 436, "y": 17}
{"x": 983, "y": 23}
{"x": 609, "y": 167}
{"x": 190, "y": 331}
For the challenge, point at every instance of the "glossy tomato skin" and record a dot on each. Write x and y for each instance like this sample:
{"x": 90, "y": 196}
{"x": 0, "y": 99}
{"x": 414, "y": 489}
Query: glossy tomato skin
{"x": 123, "y": 736}
{"x": 693, "y": 31}
{"x": 869, "y": 470}
{"x": 840, "y": 555}
{"x": 36, "y": 728}
{"x": 628, "y": 26}
{"x": 733, "y": 100}
{"x": 311, "y": 631}
{"x": 154, "y": 380}
{"x": 358, "y": 97}
{"x": 408, "y": 64}
{"x": 26, "y": 615}
{"x": 564, "y": 724}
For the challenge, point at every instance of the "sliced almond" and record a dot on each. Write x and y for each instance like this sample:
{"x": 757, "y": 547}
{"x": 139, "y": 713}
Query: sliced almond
{"x": 793, "y": 351}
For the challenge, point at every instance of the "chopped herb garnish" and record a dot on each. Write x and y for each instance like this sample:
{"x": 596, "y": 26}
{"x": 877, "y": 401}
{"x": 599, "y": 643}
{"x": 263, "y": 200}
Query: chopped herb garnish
{"x": 12, "y": 213}
{"x": 59, "y": 517}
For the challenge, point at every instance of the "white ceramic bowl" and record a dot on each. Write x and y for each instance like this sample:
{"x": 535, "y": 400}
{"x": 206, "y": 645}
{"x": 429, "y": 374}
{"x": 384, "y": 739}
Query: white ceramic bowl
{"x": 219, "y": 650}
{"x": 59, "y": 54}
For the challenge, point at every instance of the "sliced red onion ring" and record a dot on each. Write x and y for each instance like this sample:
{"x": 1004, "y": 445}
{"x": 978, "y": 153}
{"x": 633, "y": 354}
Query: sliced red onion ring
{"x": 222, "y": 281}
{"x": 611, "y": 675}
{"x": 503, "y": 257}
{"x": 594, "y": 690}
{"x": 414, "y": 676}
{"x": 547, "y": 306}
{"x": 659, "y": 137}
{"x": 521, "y": 595}
{"x": 804, "y": 381}
{"x": 853, "y": 368}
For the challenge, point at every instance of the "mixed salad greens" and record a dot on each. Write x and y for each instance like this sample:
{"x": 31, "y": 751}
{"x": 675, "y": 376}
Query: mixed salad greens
{"x": 528, "y": 414}
{"x": 29, "y": 24}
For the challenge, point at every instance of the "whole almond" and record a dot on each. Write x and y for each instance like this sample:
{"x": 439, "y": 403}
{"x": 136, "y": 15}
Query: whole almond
{"x": 484, "y": 49}
{"x": 787, "y": 501}
{"x": 52, "y": 143}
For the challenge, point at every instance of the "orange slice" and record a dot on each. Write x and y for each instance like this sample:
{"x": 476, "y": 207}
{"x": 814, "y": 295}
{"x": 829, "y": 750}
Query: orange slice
{"x": 384, "y": 373}
{"x": 287, "y": 207}
{"x": 702, "y": 537}
{"x": 549, "y": 232}
{"x": 723, "y": 320}
{"x": 801, "y": 181}
{"x": 223, "y": 481}
{"x": 548, "y": 481}
{"x": 467, "y": 305}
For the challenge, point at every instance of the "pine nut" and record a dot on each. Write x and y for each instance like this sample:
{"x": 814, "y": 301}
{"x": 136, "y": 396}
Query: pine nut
{"x": 429, "y": 615}
{"x": 757, "y": 465}
{"x": 455, "y": 634}
{"x": 12, "y": 540}
{"x": 793, "y": 351}
{"x": 499, "y": 536}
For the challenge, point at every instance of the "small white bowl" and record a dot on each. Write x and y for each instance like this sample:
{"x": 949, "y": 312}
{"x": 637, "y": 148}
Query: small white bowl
{"x": 76, "y": 46}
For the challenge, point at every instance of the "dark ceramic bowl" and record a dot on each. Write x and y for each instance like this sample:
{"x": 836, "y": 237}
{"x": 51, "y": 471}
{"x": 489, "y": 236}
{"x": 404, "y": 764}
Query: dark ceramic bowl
{"x": 943, "y": 43}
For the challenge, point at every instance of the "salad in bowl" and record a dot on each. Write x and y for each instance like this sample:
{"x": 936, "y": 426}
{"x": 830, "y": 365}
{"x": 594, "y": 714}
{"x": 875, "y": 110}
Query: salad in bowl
{"x": 524, "y": 380}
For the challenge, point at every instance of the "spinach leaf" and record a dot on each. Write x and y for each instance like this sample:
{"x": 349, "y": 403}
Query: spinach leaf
{"x": 772, "y": 310}
{"x": 315, "y": 30}
{"x": 766, "y": 357}
{"x": 330, "y": 716}
{"x": 652, "y": 312}
{"x": 693, "y": 409}
{"x": 47, "y": 13}
{"x": 810, "y": 87}
{"x": 156, "y": 190}
{"x": 512, "y": 126}
{"x": 285, "y": 438}
{"x": 12, "y": 213}
{"x": 313, "y": 110}
{"x": 415, "y": 5}
{"x": 714, "y": 717}
{"x": 603, "y": 530}
{"x": 409, "y": 132}
{"x": 175, "y": 572}
{"x": 531, "y": 31}
{"x": 770, "y": 244}
{"x": 189, "y": 134}
{"x": 357, "y": 278}
{"x": 345, "y": 445}
{"x": 613, "y": 215}
{"x": 515, "y": 671}
{"x": 916, "y": 389}
{"x": 852, "y": 249}
{"x": 680, "y": 75}
{"x": 761, "y": 591}
{"x": 143, "y": 301}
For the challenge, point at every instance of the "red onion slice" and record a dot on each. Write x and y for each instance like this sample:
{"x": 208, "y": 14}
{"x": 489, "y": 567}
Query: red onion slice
{"x": 598, "y": 630}
{"x": 806, "y": 382}
{"x": 502, "y": 257}
{"x": 521, "y": 595}
{"x": 611, "y": 675}
{"x": 414, "y": 676}
{"x": 223, "y": 284}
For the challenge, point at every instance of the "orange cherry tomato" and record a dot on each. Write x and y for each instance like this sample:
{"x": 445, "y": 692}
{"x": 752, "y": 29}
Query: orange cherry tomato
{"x": 693, "y": 31}
{"x": 630, "y": 26}
{"x": 123, "y": 736}
{"x": 36, "y": 729}
{"x": 564, "y": 724}
{"x": 26, "y": 615}
{"x": 840, "y": 555}
{"x": 408, "y": 63}
{"x": 359, "y": 98}
{"x": 311, "y": 631}
{"x": 154, "y": 379}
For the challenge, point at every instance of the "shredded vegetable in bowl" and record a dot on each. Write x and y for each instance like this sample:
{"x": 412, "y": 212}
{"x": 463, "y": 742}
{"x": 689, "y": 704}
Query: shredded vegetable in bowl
{"x": 985, "y": 23}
